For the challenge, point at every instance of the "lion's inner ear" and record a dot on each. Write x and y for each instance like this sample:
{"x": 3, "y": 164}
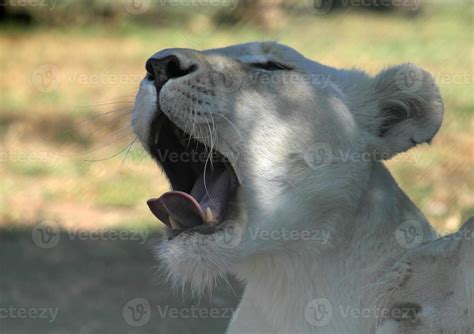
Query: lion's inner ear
{"x": 408, "y": 109}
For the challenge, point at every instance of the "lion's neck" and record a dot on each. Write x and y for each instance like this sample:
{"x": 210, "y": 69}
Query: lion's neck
{"x": 281, "y": 283}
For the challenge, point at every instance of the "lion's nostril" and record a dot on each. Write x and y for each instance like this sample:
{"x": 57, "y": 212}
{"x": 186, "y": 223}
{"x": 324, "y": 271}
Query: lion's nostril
{"x": 163, "y": 69}
{"x": 173, "y": 70}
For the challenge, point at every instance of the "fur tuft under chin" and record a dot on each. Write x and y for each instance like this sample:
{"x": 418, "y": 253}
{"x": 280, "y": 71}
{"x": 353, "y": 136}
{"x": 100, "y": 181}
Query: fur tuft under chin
{"x": 195, "y": 261}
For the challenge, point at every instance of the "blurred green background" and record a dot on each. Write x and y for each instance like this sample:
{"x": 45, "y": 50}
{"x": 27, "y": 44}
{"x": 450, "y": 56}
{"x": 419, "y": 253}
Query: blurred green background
{"x": 70, "y": 70}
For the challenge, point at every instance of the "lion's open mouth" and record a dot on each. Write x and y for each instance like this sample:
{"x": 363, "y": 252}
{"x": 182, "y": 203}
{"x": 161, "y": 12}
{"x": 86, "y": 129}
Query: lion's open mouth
{"x": 202, "y": 180}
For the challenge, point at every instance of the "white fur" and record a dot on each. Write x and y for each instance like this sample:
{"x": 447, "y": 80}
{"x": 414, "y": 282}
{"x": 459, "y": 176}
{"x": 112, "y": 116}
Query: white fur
{"x": 351, "y": 206}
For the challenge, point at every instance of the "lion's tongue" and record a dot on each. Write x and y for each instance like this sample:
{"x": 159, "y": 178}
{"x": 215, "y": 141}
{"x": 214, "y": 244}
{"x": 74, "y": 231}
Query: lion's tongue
{"x": 180, "y": 206}
{"x": 205, "y": 203}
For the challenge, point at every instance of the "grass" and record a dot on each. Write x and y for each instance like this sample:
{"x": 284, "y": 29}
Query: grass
{"x": 79, "y": 122}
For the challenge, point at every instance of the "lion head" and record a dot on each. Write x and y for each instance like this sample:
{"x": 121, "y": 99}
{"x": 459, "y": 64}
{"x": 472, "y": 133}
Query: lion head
{"x": 256, "y": 139}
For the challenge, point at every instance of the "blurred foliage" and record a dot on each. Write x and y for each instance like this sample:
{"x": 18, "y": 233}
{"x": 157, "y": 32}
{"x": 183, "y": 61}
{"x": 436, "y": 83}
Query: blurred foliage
{"x": 82, "y": 12}
{"x": 268, "y": 14}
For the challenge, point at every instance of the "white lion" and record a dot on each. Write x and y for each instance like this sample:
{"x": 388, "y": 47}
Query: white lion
{"x": 275, "y": 162}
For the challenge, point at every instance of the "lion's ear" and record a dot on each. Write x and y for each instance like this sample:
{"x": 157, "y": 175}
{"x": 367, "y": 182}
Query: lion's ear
{"x": 408, "y": 109}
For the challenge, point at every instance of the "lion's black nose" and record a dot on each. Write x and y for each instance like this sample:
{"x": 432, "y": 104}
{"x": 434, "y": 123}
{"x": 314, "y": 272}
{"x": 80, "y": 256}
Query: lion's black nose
{"x": 160, "y": 70}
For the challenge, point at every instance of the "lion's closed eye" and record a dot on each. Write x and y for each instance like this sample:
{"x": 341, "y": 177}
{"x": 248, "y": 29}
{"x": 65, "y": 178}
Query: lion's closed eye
{"x": 271, "y": 66}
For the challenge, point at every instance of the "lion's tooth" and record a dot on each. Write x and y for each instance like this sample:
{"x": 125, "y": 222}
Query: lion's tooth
{"x": 174, "y": 224}
{"x": 210, "y": 216}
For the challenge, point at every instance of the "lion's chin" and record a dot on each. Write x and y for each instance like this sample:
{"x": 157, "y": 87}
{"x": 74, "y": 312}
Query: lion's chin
{"x": 195, "y": 260}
